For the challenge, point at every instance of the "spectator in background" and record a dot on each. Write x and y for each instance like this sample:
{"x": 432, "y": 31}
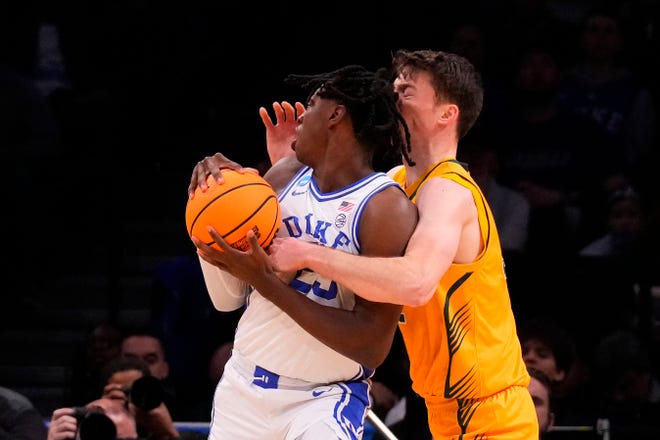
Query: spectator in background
{"x": 628, "y": 385}
{"x": 103, "y": 343}
{"x": 469, "y": 39}
{"x": 625, "y": 224}
{"x": 548, "y": 154}
{"x": 594, "y": 222}
{"x": 552, "y": 157}
{"x": 510, "y": 208}
{"x": 550, "y": 348}
{"x": 540, "y": 387}
{"x": 603, "y": 87}
{"x": 19, "y": 419}
{"x": 149, "y": 348}
{"x": 623, "y": 245}
{"x": 515, "y": 24}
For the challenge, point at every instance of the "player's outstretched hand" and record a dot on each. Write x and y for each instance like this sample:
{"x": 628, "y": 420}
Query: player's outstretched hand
{"x": 287, "y": 254}
{"x": 281, "y": 135}
{"x": 211, "y": 165}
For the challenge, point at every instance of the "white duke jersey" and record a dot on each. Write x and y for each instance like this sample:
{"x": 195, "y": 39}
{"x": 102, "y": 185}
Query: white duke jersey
{"x": 268, "y": 336}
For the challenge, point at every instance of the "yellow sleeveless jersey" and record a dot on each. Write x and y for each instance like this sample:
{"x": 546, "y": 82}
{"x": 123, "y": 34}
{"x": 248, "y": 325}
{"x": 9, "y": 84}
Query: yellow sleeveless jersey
{"x": 463, "y": 343}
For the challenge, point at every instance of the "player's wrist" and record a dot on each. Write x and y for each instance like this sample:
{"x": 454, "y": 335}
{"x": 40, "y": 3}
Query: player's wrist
{"x": 314, "y": 257}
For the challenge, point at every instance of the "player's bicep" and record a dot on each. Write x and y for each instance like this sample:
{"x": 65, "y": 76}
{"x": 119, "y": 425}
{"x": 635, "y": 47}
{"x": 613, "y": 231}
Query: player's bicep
{"x": 387, "y": 224}
{"x": 443, "y": 210}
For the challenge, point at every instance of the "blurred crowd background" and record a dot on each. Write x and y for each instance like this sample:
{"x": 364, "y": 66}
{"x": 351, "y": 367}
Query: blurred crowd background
{"x": 106, "y": 106}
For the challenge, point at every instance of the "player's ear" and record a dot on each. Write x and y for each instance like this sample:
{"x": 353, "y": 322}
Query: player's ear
{"x": 448, "y": 113}
{"x": 337, "y": 114}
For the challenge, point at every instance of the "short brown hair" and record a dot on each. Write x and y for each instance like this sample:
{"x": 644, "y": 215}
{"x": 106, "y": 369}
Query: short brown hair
{"x": 455, "y": 80}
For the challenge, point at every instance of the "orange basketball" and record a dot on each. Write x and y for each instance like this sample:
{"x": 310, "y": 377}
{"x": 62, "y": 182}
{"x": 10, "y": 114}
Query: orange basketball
{"x": 241, "y": 203}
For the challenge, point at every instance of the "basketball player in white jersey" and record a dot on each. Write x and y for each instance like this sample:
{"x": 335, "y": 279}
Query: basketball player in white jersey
{"x": 304, "y": 351}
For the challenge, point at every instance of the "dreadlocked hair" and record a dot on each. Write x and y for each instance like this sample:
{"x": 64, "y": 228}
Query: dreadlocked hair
{"x": 370, "y": 100}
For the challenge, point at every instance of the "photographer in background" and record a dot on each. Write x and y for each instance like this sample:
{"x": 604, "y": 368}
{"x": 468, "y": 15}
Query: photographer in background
{"x": 131, "y": 408}
{"x": 102, "y": 419}
{"x": 129, "y": 381}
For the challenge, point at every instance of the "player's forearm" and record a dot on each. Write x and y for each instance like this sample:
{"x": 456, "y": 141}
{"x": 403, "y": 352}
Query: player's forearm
{"x": 381, "y": 279}
{"x": 227, "y": 292}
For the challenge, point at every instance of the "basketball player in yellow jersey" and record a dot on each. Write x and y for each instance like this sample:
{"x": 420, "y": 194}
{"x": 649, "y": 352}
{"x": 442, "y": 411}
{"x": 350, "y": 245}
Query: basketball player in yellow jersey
{"x": 457, "y": 321}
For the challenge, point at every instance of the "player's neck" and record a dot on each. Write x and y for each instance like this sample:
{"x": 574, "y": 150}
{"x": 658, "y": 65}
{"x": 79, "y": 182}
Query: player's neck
{"x": 334, "y": 175}
{"x": 426, "y": 157}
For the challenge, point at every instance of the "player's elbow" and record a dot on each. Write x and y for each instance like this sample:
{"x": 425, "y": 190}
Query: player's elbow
{"x": 226, "y": 303}
{"x": 227, "y": 293}
{"x": 370, "y": 348}
{"x": 372, "y": 364}
{"x": 374, "y": 357}
{"x": 418, "y": 293}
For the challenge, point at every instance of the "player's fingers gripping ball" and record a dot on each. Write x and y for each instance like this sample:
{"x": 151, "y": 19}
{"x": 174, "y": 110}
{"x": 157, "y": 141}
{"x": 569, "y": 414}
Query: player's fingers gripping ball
{"x": 243, "y": 202}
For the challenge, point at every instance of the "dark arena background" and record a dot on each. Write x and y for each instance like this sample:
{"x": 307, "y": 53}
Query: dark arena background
{"x": 106, "y": 106}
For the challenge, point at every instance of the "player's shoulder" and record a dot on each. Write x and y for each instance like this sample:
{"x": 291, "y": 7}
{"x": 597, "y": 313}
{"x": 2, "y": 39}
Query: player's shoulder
{"x": 394, "y": 170}
{"x": 392, "y": 201}
{"x": 441, "y": 189}
{"x": 443, "y": 182}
